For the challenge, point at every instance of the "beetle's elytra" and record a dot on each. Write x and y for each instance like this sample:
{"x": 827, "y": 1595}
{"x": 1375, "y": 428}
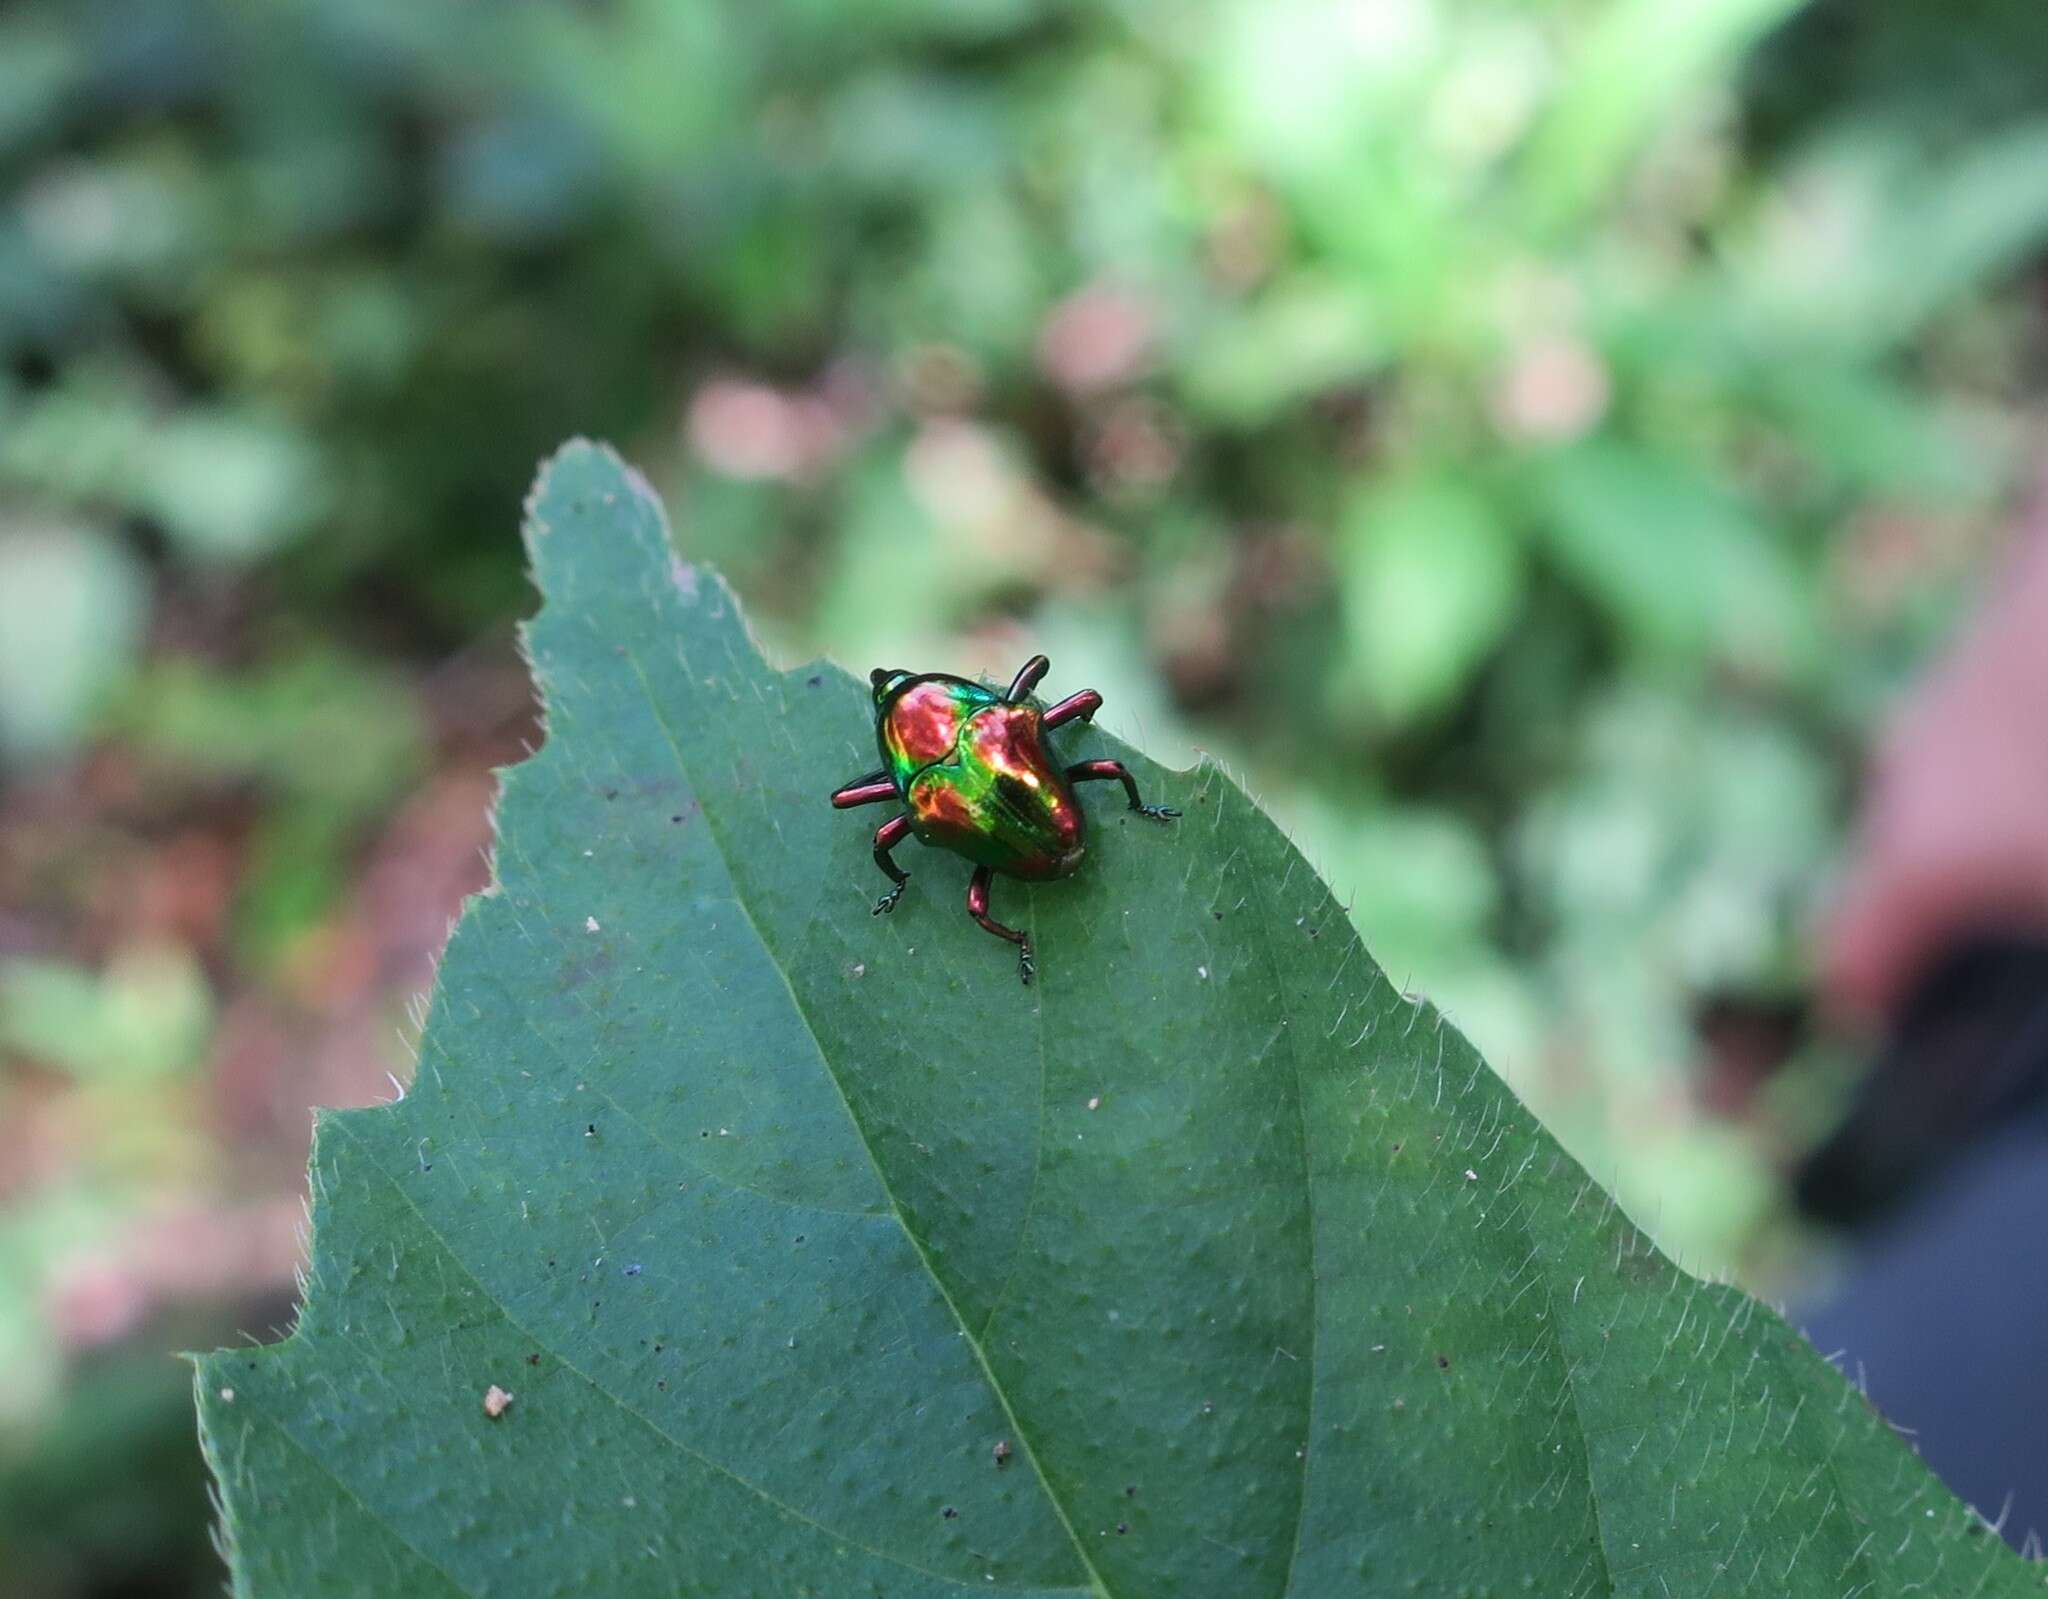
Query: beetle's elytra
{"x": 972, "y": 767}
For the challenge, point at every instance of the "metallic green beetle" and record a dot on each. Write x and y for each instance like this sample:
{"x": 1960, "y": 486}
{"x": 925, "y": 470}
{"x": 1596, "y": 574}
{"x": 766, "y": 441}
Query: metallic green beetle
{"x": 972, "y": 767}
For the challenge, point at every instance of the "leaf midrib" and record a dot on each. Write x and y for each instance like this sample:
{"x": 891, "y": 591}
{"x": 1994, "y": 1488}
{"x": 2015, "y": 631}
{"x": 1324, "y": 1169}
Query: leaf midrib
{"x": 1308, "y": 1185}
{"x": 739, "y": 899}
{"x": 709, "y": 1462}
{"x": 348, "y": 1491}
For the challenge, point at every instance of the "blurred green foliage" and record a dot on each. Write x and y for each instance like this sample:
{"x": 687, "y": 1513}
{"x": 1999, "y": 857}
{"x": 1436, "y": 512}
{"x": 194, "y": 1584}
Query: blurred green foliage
{"x": 1430, "y": 391}
{"x": 1532, "y": 436}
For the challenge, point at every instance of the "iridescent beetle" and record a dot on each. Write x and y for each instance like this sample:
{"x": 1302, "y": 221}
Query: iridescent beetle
{"x": 973, "y": 767}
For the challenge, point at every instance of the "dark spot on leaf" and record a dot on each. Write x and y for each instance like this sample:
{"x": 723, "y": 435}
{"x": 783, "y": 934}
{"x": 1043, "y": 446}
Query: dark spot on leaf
{"x": 661, "y": 1383}
{"x": 611, "y": 793}
{"x": 1002, "y": 1451}
{"x": 814, "y": 679}
{"x": 950, "y": 1513}
{"x": 590, "y": 1129}
{"x": 1130, "y": 1490}
{"x": 534, "y": 1358}
{"x": 633, "y": 1270}
{"x": 1443, "y": 1362}
{"x": 1122, "y": 1527}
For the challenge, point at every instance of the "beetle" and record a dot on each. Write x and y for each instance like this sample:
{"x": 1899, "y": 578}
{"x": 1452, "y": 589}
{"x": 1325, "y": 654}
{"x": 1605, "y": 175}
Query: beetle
{"x": 973, "y": 768}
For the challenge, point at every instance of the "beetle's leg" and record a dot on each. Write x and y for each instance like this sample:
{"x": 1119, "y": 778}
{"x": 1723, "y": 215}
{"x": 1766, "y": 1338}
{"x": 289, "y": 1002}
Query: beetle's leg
{"x": 977, "y": 907}
{"x": 871, "y": 789}
{"x": 887, "y": 837}
{"x": 1027, "y": 679}
{"x": 1079, "y": 707}
{"x": 1101, "y": 771}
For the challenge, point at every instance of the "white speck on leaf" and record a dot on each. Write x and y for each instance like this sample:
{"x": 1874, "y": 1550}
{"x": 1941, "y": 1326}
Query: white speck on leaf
{"x": 1094, "y": 1102}
{"x": 1202, "y": 972}
{"x": 1471, "y": 1176}
{"x": 227, "y": 1396}
{"x": 590, "y": 924}
{"x": 496, "y": 1401}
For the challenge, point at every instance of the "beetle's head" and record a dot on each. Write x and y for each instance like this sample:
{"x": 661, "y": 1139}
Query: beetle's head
{"x": 885, "y": 678}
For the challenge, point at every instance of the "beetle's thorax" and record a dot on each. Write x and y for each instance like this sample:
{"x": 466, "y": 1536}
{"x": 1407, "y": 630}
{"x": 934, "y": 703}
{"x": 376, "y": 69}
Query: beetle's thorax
{"x": 920, "y": 722}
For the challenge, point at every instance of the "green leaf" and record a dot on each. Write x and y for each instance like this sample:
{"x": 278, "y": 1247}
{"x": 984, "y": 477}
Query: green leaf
{"x": 1430, "y": 580}
{"x": 1683, "y": 567}
{"x": 1872, "y": 236}
{"x": 72, "y": 606}
{"x": 776, "y": 1218}
{"x": 1640, "y": 59}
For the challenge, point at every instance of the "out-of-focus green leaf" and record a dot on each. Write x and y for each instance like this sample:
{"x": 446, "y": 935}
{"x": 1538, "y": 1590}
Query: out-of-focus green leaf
{"x": 332, "y": 740}
{"x": 71, "y": 614}
{"x": 771, "y": 1221}
{"x": 1307, "y": 335}
{"x": 148, "y": 1015}
{"x": 1978, "y": 216}
{"x": 227, "y": 486}
{"x": 1430, "y": 579}
{"x": 231, "y": 487}
{"x": 1681, "y": 566}
{"x": 339, "y": 730}
{"x": 40, "y": 65}
{"x": 1871, "y": 236}
{"x": 1875, "y": 433}
{"x": 1638, "y": 60}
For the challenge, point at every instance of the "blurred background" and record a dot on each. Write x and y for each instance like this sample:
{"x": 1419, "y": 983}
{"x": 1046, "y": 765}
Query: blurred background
{"x": 1533, "y": 441}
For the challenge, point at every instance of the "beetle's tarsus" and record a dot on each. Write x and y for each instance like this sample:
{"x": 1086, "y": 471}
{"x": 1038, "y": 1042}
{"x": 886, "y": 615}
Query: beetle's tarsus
{"x": 977, "y": 907}
{"x": 1116, "y": 771}
{"x": 887, "y": 837}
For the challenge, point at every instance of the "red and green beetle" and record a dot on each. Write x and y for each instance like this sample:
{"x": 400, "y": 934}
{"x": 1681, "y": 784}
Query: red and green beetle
{"x": 972, "y": 767}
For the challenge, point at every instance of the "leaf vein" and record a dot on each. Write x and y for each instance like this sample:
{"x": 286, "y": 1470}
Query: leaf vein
{"x": 1002, "y": 1397}
{"x": 710, "y": 1463}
